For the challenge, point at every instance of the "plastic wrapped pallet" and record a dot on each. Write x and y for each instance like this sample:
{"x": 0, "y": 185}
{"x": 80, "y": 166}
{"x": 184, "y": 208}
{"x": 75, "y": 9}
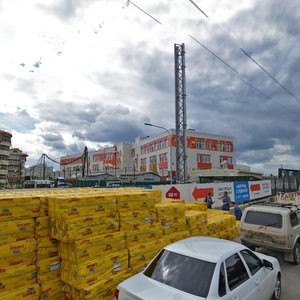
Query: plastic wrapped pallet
{"x": 17, "y": 227}
{"x": 47, "y": 247}
{"x": 94, "y": 270}
{"x": 80, "y": 251}
{"x": 48, "y": 269}
{"x": 12, "y": 208}
{"x": 135, "y": 220}
{"x": 176, "y": 236}
{"x": 200, "y": 206}
{"x": 169, "y": 211}
{"x": 28, "y": 292}
{"x": 52, "y": 289}
{"x": 195, "y": 218}
{"x": 143, "y": 235}
{"x": 172, "y": 226}
{"x": 18, "y": 248}
{"x": 43, "y": 227}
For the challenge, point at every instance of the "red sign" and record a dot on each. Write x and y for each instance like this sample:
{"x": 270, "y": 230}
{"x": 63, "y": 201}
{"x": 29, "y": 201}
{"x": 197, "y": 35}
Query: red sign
{"x": 202, "y": 193}
{"x": 173, "y": 193}
{"x": 255, "y": 187}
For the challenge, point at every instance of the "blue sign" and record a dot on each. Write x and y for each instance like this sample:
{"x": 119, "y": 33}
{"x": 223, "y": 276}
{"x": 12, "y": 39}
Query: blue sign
{"x": 241, "y": 192}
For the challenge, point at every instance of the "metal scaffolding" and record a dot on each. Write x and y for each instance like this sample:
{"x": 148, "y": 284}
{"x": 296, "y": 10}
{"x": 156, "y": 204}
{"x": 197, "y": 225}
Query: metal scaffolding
{"x": 180, "y": 112}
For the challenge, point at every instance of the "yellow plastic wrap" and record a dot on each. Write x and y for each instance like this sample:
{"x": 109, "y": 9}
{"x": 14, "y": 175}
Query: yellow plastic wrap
{"x": 51, "y": 289}
{"x": 15, "y": 261}
{"x": 48, "y": 276}
{"x": 136, "y": 237}
{"x": 77, "y": 231}
{"x": 8, "y": 239}
{"x": 28, "y": 292}
{"x": 16, "y": 270}
{"x": 46, "y": 242}
{"x": 177, "y": 236}
{"x": 93, "y": 270}
{"x": 174, "y": 226}
{"x": 18, "y": 248}
{"x": 200, "y": 206}
{"x": 195, "y": 218}
{"x": 10, "y": 283}
{"x": 14, "y": 227}
{"x": 43, "y": 253}
{"x": 48, "y": 264}
{"x": 169, "y": 211}
{"x": 87, "y": 249}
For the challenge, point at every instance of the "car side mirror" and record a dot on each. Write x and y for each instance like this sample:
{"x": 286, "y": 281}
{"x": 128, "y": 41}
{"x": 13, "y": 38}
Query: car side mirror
{"x": 267, "y": 264}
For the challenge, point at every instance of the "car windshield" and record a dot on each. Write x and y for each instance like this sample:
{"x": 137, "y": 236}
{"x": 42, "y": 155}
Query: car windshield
{"x": 264, "y": 219}
{"x": 182, "y": 272}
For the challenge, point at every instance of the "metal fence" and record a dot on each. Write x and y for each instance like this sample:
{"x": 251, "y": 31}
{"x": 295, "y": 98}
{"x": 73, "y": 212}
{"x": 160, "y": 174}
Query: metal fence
{"x": 284, "y": 184}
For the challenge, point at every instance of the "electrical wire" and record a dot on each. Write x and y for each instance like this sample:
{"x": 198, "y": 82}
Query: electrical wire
{"x": 252, "y": 59}
{"x": 145, "y": 12}
{"x": 225, "y": 63}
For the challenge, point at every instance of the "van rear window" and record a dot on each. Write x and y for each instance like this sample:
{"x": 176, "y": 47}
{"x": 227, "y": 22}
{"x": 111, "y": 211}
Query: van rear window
{"x": 264, "y": 219}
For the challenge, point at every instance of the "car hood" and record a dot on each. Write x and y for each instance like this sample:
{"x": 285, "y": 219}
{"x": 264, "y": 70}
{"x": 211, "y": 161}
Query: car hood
{"x": 142, "y": 287}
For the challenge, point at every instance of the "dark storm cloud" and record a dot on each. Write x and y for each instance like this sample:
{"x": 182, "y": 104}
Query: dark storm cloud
{"x": 91, "y": 122}
{"x": 54, "y": 141}
{"x": 20, "y": 121}
{"x": 219, "y": 102}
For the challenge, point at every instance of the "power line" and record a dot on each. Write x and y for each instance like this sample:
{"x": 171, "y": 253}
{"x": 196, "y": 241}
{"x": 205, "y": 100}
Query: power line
{"x": 199, "y": 8}
{"x": 145, "y": 12}
{"x": 270, "y": 75}
{"x": 252, "y": 59}
{"x": 225, "y": 63}
{"x": 241, "y": 78}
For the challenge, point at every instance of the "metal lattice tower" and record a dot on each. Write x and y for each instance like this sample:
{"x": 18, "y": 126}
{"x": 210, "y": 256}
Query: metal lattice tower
{"x": 180, "y": 112}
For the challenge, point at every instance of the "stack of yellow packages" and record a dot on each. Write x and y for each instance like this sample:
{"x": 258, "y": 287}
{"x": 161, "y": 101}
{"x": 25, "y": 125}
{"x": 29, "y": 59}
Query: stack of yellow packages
{"x": 138, "y": 220}
{"x": 48, "y": 261}
{"x": 196, "y": 222}
{"x": 171, "y": 215}
{"x": 17, "y": 247}
{"x": 200, "y": 206}
{"x": 220, "y": 224}
{"x": 91, "y": 247}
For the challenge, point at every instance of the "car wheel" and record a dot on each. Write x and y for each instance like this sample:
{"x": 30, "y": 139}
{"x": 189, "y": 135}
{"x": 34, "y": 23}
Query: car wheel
{"x": 277, "y": 289}
{"x": 297, "y": 254}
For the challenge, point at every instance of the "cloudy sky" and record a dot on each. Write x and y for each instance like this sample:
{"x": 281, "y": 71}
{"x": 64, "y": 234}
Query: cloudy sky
{"x": 91, "y": 72}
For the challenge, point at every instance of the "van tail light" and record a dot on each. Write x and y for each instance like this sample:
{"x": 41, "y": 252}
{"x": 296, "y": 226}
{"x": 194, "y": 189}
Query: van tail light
{"x": 117, "y": 294}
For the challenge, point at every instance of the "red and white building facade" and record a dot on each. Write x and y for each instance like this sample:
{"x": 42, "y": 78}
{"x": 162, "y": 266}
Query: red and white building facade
{"x": 155, "y": 154}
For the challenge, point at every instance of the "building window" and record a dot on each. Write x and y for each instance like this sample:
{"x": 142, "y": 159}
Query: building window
{"x": 206, "y": 158}
{"x": 165, "y": 156}
{"x": 160, "y": 157}
{"x": 209, "y": 145}
{"x": 229, "y": 159}
{"x": 166, "y": 172}
{"x": 165, "y": 143}
{"x": 198, "y": 158}
{"x": 200, "y": 144}
{"x": 160, "y": 144}
{"x": 227, "y": 147}
{"x": 220, "y": 146}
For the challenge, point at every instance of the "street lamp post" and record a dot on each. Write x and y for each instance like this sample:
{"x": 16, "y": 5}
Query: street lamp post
{"x": 169, "y": 133}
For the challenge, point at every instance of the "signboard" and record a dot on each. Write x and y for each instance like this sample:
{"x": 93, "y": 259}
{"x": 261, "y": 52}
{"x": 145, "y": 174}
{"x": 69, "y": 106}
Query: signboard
{"x": 241, "y": 192}
{"x": 173, "y": 193}
{"x": 237, "y": 191}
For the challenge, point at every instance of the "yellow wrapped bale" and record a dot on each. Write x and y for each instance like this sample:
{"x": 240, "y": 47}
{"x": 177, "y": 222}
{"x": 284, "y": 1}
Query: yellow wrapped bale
{"x": 9, "y": 239}
{"x": 177, "y": 236}
{"x": 87, "y": 249}
{"x": 16, "y": 270}
{"x": 15, "y": 227}
{"x": 15, "y": 261}
{"x": 8, "y": 284}
{"x": 195, "y": 218}
{"x": 200, "y": 206}
{"x": 75, "y": 229}
{"x": 51, "y": 289}
{"x": 18, "y": 248}
{"x": 48, "y": 264}
{"x": 174, "y": 226}
{"x": 28, "y": 292}
{"x": 48, "y": 276}
{"x": 94, "y": 270}
{"x": 167, "y": 211}
{"x": 136, "y": 237}
{"x": 43, "y": 226}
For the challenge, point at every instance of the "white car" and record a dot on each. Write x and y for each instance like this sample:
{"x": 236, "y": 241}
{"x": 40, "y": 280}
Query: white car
{"x": 205, "y": 268}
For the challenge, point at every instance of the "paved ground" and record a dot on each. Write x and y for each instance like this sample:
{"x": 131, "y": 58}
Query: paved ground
{"x": 290, "y": 279}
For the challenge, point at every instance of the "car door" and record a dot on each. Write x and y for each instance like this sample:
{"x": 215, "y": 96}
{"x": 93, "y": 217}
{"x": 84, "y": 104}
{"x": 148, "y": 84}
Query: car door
{"x": 239, "y": 284}
{"x": 261, "y": 276}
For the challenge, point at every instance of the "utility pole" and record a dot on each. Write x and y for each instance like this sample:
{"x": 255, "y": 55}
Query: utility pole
{"x": 84, "y": 161}
{"x": 44, "y": 166}
{"x": 180, "y": 112}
